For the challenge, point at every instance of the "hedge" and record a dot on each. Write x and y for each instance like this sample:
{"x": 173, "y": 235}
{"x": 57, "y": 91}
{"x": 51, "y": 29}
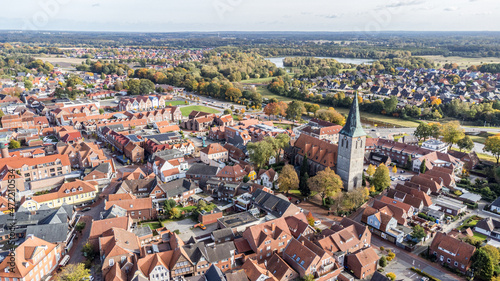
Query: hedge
{"x": 424, "y": 216}
{"x": 420, "y": 272}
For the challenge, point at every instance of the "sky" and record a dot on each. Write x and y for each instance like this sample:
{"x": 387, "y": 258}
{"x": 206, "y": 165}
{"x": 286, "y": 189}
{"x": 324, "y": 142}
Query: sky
{"x": 251, "y": 15}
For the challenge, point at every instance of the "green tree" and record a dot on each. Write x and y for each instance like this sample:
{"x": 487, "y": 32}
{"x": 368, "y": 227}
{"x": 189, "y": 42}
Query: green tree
{"x": 168, "y": 205}
{"x": 146, "y": 86}
{"x": 382, "y": 261}
{"x": 246, "y": 178}
{"x": 452, "y": 132}
{"x": 483, "y": 264}
{"x": 295, "y": 110}
{"x": 260, "y": 152}
{"x": 492, "y": 145}
{"x": 88, "y": 251}
{"x": 73, "y": 272}
{"x": 282, "y": 142}
{"x": 409, "y": 163}
{"x": 14, "y": 144}
{"x": 1, "y": 113}
{"x": 288, "y": 179}
{"x": 465, "y": 143}
{"x": 101, "y": 110}
{"x": 390, "y": 104}
{"x": 423, "y": 167}
{"x": 175, "y": 213}
{"x": 326, "y": 183}
{"x": 370, "y": 170}
{"x": 304, "y": 177}
{"x": 381, "y": 178}
{"x": 418, "y": 232}
{"x": 422, "y": 132}
{"x": 27, "y": 84}
{"x": 80, "y": 226}
{"x": 134, "y": 86}
{"x": 227, "y": 111}
{"x": 493, "y": 253}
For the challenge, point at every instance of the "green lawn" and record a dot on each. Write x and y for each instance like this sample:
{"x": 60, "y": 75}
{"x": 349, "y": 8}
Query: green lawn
{"x": 188, "y": 208}
{"x": 152, "y": 225}
{"x": 478, "y": 139}
{"x": 283, "y": 126}
{"x": 175, "y": 102}
{"x": 296, "y": 192}
{"x": 267, "y": 94}
{"x": 480, "y": 236}
{"x": 257, "y": 80}
{"x": 188, "y": 109}
{"x": 470, "y": 222}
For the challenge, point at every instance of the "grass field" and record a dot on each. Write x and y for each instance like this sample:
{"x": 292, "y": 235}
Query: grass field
{"x": 478, "y": 139}
{"x": 296, "y": 192}
{"x": 462, "y": 62}
{"x": 257, "y": 80}
{"x": 267, "y": 94}
{"x": 175, "y": 102}
{"x": 188, "y": 109}
{"x": 152, "y": 225}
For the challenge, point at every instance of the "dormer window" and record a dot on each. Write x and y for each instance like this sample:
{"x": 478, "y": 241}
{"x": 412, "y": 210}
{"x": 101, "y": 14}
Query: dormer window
{"x": 80, "y": 188}
{"x": 67, "y": 191}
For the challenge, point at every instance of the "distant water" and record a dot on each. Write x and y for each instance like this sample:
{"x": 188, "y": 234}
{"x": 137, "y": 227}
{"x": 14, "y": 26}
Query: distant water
{"x": 279, "y": 61}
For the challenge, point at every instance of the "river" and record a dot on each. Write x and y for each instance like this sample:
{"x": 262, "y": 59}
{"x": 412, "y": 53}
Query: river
{"x": 278, "y": 61}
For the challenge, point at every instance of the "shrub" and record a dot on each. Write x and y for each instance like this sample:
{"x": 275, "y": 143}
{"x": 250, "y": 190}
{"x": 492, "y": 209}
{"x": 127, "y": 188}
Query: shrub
{"x": 382, "y": 262}
{"x": 391, "y": 276}
{"x": 420, "y": 272}
{"x": 382, "y": 248}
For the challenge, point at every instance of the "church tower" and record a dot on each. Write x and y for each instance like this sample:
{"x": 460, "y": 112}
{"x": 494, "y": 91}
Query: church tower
{"x": 351, "y": 149}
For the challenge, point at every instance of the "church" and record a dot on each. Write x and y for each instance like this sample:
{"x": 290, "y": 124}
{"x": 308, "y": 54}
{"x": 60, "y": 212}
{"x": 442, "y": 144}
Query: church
{"x": 346, "y": 157}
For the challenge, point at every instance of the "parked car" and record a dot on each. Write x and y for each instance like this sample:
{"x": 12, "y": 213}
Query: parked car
{"x": 393, "y": 178}
{"x": 402, "y": 171}
{"x": 86, "y": 209}
{"x": 200, "y": 225}
{"x": 316, "y": 223}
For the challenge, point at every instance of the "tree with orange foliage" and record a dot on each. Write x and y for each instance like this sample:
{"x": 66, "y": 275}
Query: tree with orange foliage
{"x": 310, "y": 219}
{"x": 435, "y": 101}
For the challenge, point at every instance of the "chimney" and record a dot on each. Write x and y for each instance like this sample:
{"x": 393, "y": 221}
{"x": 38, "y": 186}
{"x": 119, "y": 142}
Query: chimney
{"x": 302, "y": 241}
{"x": 265, "y": 263}
{"x": 273, "y": 226}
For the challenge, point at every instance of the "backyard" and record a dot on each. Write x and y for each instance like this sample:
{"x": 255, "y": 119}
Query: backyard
{"x": 188, "y": 109}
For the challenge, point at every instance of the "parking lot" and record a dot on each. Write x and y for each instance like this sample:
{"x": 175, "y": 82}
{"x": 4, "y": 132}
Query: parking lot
{"x": 185, "y": 228}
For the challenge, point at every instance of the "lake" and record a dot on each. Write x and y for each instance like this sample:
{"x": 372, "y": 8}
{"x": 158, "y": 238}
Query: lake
{"x": 279, "y": 61}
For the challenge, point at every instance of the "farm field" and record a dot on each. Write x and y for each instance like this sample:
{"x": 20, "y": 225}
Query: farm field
{"x": 461, "y": 61}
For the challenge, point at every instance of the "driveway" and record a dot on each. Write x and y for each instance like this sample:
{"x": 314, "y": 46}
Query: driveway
{"x": 405, "y": 260}
{"x": 185, "y": 228}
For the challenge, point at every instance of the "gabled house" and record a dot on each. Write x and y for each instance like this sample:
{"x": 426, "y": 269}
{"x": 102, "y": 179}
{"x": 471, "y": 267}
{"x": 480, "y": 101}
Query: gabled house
{"x": 268, "y": 238}
{"x": 451, "y": 251}
{"x": 307, "y": 258}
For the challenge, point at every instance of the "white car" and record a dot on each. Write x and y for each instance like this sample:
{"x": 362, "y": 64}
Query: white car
{"x": 316, "y": 223}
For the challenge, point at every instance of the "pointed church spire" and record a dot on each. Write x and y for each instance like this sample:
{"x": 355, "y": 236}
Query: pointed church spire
{"x": 352, "y": 127}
